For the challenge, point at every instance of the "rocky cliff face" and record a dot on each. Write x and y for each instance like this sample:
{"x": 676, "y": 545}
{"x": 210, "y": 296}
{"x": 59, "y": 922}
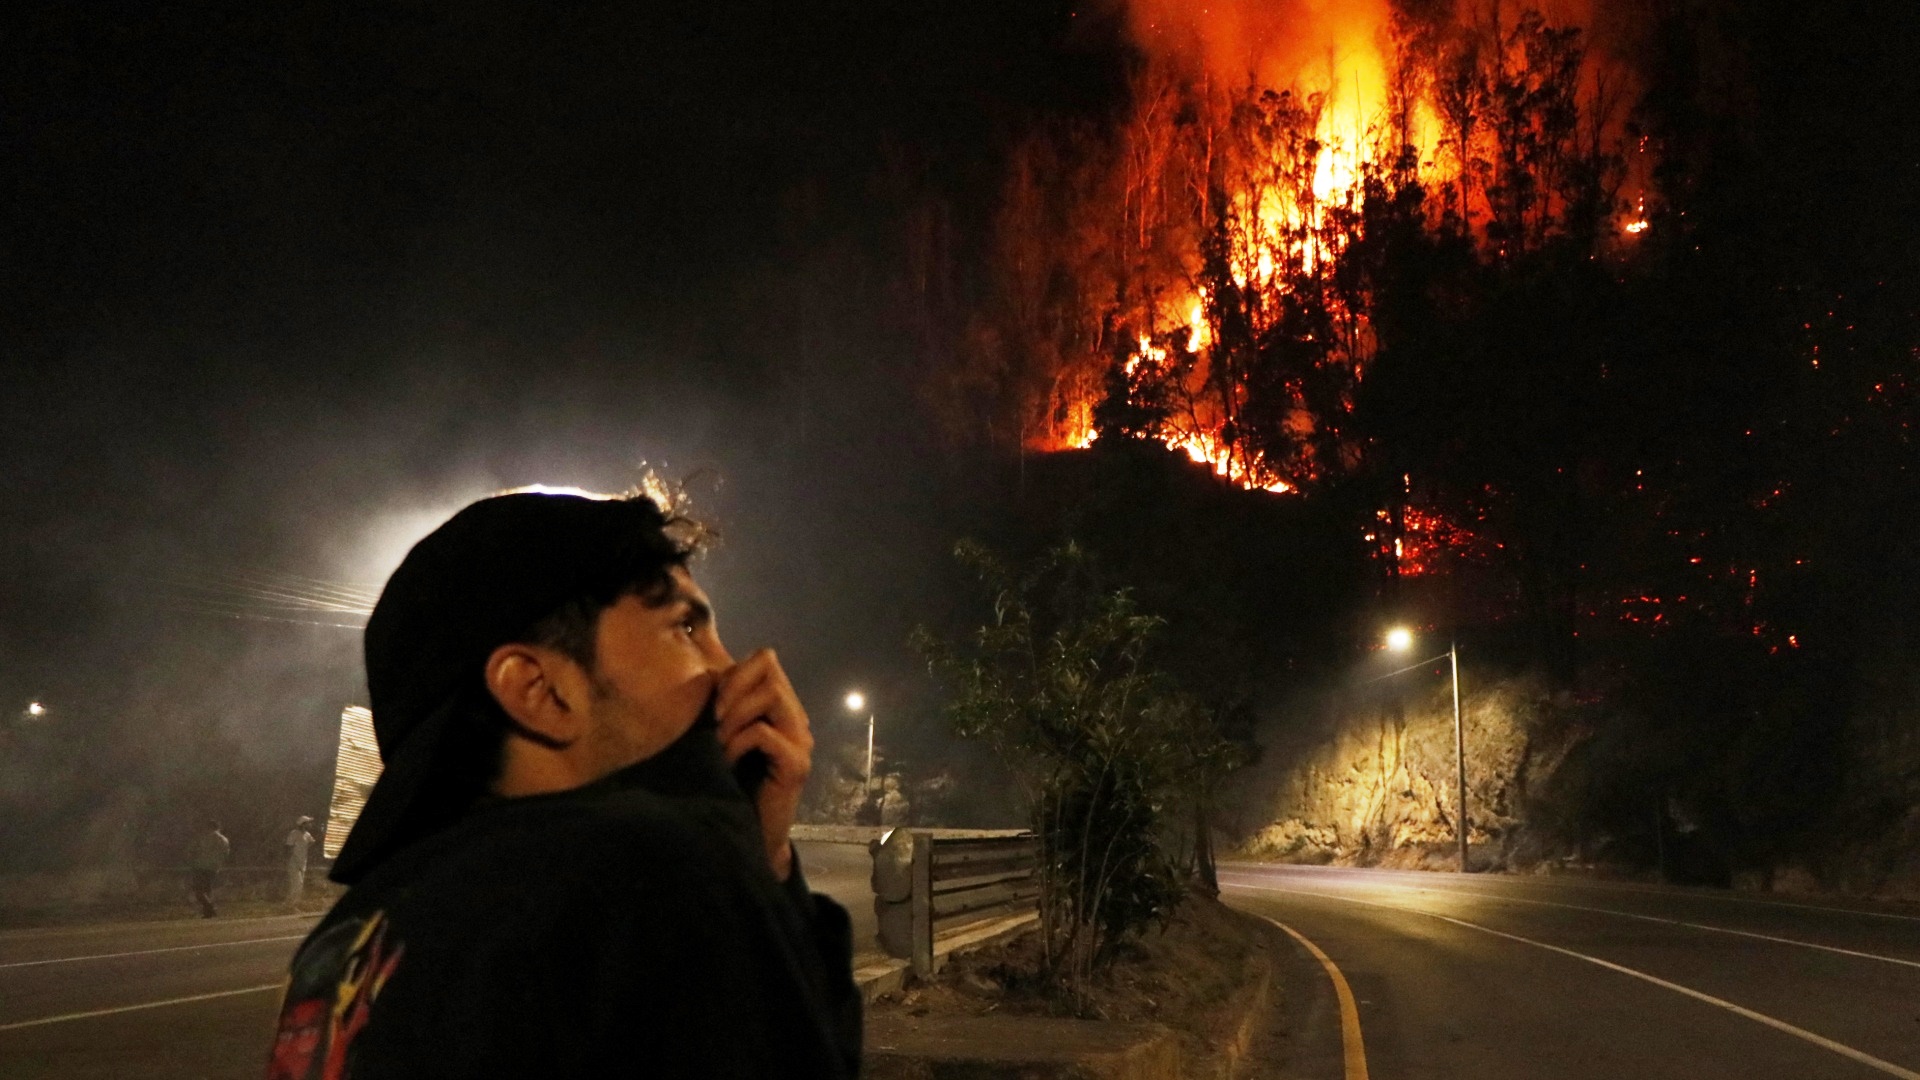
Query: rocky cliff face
{"x": 1369, "y": 779}
{"x": 1373, "y": 782}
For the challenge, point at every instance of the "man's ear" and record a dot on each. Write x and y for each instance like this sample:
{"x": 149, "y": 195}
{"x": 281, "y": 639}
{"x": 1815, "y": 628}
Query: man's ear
{"x": 535, "y": 687}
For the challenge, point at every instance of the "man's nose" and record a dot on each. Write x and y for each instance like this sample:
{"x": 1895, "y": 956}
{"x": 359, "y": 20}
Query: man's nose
{"x": 719, "y": 660}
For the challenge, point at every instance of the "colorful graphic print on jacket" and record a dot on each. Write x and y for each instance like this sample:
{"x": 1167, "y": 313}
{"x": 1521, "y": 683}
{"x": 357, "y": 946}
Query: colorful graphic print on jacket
{"x": 330, "y": 997}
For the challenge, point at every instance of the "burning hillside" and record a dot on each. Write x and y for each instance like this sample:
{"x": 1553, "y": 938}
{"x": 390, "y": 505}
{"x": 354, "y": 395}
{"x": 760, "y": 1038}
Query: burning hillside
{"x": 1211, "y": 276}
{"x": 1549, "y": 314}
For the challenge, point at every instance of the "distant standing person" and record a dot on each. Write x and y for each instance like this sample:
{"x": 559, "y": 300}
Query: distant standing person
{"x": 298, "y": 842}
{"x": 205, "y": 859}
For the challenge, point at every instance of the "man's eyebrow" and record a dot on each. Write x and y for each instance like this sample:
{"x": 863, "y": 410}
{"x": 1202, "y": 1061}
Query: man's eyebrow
{"x": 698, "y": 611}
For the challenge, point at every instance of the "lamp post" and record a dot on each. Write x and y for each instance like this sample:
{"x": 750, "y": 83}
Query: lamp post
{"x": 1400, "y": 639}
{"x": 856, "y": 703}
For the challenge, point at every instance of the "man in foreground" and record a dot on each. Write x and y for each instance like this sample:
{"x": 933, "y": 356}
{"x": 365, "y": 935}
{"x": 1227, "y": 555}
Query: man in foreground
{"x": 576, "y": 860}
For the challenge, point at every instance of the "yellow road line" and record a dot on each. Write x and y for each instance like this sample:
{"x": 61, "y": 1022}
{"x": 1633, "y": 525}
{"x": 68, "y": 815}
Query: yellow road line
{"x": 1352, "y": 1046}
{"x": 135, "y": 1008}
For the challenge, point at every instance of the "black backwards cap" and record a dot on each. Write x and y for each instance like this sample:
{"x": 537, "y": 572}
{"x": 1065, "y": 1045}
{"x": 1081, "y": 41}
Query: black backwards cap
{"x": 479, "y": 581}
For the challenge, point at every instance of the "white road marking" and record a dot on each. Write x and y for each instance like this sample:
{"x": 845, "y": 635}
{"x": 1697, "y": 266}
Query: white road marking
{"x": 64, "y": 1017}
{"x": 1466, "y": 889}
{"x": 1826, "y": 908}
{"x": 1497, "y": 898}
{"x": 1821, "y": 1041}
{"x": 34, "y": 933}
{"x": 1603, "y": 886}
{"x": 147, "y": 952}
{"x": 1727, "y": 898}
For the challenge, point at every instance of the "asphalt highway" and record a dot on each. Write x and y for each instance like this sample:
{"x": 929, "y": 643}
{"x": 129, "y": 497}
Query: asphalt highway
{"x": 193, "y": 999}
{"x": 181, "y": 999}
{"x": 1453, "y": 977}
{"x": 1445, "y": 977}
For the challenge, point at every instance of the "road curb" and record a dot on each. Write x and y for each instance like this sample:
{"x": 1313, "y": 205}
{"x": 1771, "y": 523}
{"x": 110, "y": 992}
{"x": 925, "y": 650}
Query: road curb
{"x": 1252, "y": 1005}
{"x": 879, "y": 979}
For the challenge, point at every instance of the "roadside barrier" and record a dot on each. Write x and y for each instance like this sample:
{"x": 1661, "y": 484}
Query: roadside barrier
{"x": 938, "y": 890}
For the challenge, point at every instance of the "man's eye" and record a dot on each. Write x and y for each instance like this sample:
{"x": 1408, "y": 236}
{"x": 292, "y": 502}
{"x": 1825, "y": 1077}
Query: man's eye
{"x": 689, "y": 627}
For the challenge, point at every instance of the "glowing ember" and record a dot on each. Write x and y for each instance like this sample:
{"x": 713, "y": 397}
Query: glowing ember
{"x": 1639, "y": 223}
{"x": 1429, "y": 542}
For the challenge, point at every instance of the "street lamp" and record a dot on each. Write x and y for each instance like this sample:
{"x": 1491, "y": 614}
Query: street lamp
{"x": 857, "y": 703}
{"x": 1400, "y": 639}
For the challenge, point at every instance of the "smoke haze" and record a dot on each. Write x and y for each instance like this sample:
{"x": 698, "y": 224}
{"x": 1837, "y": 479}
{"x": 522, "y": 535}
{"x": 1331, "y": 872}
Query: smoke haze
{"x": 287, "y": 287}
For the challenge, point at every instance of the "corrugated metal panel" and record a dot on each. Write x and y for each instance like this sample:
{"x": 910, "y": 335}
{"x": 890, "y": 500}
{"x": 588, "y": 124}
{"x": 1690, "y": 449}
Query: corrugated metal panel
{"x": 355, "y": 769}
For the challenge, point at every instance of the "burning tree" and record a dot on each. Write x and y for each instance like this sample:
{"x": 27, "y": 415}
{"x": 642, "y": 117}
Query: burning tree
{"x": 1222, "y": 272}
{"x": 1543, "y": 331}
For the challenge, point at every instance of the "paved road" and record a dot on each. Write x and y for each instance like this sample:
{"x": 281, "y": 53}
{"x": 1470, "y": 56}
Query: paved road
{"x": 195, "y": 1000}
{"x": 845, "y": 872}
{"x": 1479, "y": 977}
{"x": 1486, "y": 978}
{"x": 49, "y": 979}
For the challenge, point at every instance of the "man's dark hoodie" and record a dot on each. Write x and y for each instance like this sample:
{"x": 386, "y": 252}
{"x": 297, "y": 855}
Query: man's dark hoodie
{"x": 629, "y": 928}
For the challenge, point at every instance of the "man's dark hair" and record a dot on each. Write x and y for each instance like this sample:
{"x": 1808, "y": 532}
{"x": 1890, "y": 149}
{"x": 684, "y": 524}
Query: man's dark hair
{"x": 529, "y": 566}
{"x": 572, "y": 626}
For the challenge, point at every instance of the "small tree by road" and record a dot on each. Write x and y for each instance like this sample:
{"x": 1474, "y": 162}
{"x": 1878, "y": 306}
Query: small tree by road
{"x": 1059, "y": 682}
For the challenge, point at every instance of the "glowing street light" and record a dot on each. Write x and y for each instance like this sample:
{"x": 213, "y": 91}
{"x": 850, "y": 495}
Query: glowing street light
{"x": 36, "y": 710}
{"x": 1400, "y": 639}
{"x": 857, "y": 703}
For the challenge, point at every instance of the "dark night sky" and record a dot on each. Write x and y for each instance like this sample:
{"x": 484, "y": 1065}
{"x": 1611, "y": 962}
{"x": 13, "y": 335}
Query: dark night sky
{"x": 286, "y": 283}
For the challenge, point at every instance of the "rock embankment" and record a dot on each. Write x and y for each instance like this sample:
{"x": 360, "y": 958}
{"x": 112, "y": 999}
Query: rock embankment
{"x": 1376, "y": 785}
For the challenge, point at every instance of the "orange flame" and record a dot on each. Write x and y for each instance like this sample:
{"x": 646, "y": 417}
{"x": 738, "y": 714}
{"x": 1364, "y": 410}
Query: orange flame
{"x": 1335, "y": 97}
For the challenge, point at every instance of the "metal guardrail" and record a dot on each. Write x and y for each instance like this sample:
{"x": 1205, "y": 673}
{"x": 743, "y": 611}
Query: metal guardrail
{"x": 932, "y": 886}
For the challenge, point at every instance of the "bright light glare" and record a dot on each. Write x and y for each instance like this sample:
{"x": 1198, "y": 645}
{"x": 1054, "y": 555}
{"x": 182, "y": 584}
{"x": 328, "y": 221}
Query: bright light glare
{"x": 856, "y": 701}
{"x": 1399, "y": 639}
{"x": 36, "y": 709}
{"x": 544, "y": 489}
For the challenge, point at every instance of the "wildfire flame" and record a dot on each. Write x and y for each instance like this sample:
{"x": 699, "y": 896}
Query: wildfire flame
{"x": 1262, "y": 127}
{"x": 1225, "y": 293}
